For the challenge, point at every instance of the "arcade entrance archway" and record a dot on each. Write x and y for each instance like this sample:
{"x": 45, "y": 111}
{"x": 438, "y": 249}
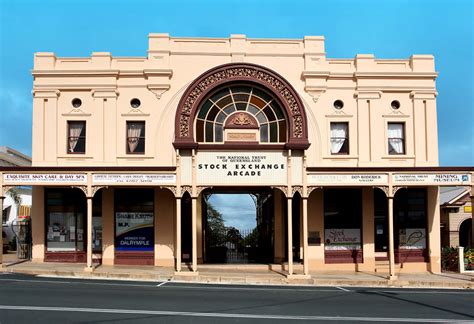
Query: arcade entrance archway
{"x": 238, "y": 226}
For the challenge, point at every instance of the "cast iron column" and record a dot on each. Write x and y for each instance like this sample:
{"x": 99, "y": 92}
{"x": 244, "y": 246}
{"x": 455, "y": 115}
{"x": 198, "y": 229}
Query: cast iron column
{"x": 391, "y": 251}
{"x": 178, "y": 234}
{"x": 290, "y": 238}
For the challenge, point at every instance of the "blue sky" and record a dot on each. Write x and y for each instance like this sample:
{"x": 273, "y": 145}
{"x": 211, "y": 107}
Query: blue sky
{"x": 387, "y": 29}
{"x": 238, "y": 210}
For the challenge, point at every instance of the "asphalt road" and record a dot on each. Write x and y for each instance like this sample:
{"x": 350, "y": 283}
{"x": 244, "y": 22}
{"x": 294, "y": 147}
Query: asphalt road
{"x": 26, "y": 299}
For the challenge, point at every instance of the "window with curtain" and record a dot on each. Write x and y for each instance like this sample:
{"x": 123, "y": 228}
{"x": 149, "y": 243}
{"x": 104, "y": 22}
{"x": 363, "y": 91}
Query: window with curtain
{"x": 396, "y": 138}
{"x": 135, "y": 137}
{"x": 340, "y": 138}
{"x": 76, "y": 137}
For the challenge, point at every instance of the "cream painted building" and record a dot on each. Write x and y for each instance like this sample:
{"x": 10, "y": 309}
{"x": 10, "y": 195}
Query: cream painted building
{"x": 340, "y": 155}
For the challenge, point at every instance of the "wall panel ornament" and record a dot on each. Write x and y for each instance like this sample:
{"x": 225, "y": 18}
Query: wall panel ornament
{"x": 243, "y": 73}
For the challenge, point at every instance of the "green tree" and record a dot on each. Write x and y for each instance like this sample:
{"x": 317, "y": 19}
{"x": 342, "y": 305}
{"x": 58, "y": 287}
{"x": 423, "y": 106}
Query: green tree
{"x": 216, "y": 231}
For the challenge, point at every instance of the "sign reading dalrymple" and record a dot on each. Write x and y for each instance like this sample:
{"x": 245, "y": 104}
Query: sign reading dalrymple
{"x": 44, "y": 178}
{"x": 432, "y": 178}
{"x": 337, "y": 179}
{"x": 233, "y": 168}
{"x": 133, "y": 178}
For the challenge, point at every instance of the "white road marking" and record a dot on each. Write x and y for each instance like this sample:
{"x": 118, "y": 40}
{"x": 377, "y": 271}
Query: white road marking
{"x": 408, "y": 291}
{"x": 252, "y": 288}
{"x": 231, "y": 315}
{"x": 177, "y": 285}
{"x": 202, "y": 287}
{"x": 76, "y": 282}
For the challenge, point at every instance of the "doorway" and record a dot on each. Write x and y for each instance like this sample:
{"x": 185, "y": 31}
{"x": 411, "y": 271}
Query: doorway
{"x": 238, "y": 226}
{"x": 380, "y": 222}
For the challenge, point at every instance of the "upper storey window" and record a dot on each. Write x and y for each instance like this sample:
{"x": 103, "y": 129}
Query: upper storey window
{"x": 226, "y": 102}
{"x": 76, "y": 139}
{"x": 135, "y": 137}
{"x": 396, "y": 138}
{"x": 340, "y": 138}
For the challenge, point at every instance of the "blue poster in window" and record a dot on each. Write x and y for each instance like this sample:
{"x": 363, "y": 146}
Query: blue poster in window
{"x": 134, "y": 231}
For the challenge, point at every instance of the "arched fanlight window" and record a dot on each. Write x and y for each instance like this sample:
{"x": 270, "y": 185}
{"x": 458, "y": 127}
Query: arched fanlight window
{"x": 226, "y": 101}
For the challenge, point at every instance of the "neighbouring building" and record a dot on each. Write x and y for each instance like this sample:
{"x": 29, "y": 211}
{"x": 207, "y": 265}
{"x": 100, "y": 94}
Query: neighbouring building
{"x": 456, "y": 217}
{"x": 17, "y": 203}
{"x": 340, "y": 155}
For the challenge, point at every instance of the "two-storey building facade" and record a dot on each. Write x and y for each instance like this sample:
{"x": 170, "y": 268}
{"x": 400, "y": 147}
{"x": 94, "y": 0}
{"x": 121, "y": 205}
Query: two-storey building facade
{"x": 341, "y": 155}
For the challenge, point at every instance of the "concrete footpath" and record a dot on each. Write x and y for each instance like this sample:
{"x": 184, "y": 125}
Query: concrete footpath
{"x": 238, "y": 274}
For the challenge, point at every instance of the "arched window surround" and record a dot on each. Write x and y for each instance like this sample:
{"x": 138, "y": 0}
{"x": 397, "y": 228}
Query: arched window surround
{"x": 218, "y": 77}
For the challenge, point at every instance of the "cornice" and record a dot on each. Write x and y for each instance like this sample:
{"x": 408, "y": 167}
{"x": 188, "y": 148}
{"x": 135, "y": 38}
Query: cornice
{"x": 402, "y": 75}
{"x": 42, "y": 73}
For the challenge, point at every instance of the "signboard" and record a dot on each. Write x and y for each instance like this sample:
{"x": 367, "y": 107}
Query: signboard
{"x": 432, "y": 178}
{"x": 232, "y": 168}
{"x": 55, "y": 178}
{"x": 412, "y": 238}
{"x": 359, "y": 179}
{"x": 134, "y": 231}
{"x": 132, "y": 178}
{"x": 342, "y": 239}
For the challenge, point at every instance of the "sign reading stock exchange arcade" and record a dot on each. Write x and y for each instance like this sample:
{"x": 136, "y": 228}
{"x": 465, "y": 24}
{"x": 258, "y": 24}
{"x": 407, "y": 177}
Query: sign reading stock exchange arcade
{"x": 233, "y": 168}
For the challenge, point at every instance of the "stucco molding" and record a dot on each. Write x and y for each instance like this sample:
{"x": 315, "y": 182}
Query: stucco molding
{"x": 315, "y": 92}
{"x": 49, "y": 93}
{"x": 367, "y": 94}
{"x": 158, "y": 89}
{"x": 240, "y": 72}
{"x": 423, "y": 95}
{"x": 105, "y": 93}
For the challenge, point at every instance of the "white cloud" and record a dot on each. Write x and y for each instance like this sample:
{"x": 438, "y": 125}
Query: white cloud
{"x": 238, "y": 210}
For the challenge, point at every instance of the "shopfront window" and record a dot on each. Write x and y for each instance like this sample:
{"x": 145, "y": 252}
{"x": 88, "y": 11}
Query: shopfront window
{"x": 65, "y": 220}
{"x": 342, "y": 219}
{"x": 134, "y": 220}
{"x": 410, "y": 219}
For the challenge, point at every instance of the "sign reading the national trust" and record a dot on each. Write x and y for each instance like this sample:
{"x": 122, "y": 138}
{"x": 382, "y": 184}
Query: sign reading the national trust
{"x": 113, "y": 178}
{"x": 233, "y": 168}
{"x": 432, "y": 178}
{"x": 32, "y": 178}
{"x": 337, "y": 179}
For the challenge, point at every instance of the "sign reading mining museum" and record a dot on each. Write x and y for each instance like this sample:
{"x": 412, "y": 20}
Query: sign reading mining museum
{"x": 432, "y": 178}
{"x": 234, "y": 168}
